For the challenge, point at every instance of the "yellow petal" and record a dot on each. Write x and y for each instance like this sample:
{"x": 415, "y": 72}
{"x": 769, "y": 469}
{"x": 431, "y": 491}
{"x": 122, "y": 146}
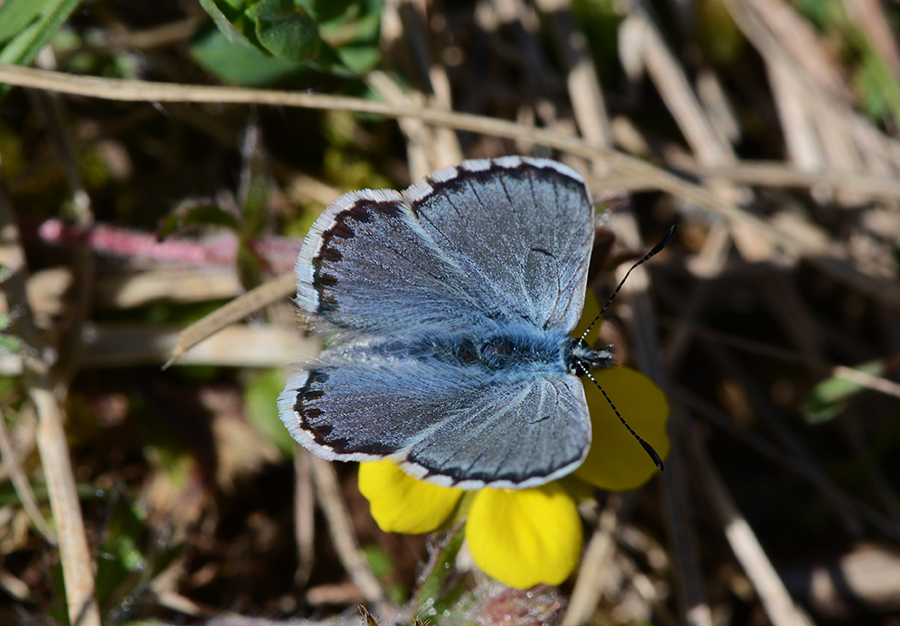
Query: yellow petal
{"x": 616, "y": 461}
{"x": 591, "y": 309}
{"x": 402, "y": 504}
{"x": 527, "y": 537}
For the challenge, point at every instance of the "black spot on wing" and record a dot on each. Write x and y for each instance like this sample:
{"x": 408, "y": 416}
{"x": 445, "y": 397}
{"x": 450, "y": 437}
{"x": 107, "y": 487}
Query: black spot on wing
{"x": 305, "y": 405}
{"x": 320, "y": 425}
{"x": 343, "y": 228}
{"x": 332, "y": 255}
{"x": 327, "y": 280}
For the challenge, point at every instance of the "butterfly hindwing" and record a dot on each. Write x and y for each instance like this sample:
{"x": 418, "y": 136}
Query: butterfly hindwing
{"x": 542, "y": 426}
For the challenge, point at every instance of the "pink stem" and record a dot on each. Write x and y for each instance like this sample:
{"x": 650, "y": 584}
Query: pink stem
{"x": 277, "y": 253}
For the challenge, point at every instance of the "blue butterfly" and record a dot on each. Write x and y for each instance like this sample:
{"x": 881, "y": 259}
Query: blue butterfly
{"x": 447, "y": 310}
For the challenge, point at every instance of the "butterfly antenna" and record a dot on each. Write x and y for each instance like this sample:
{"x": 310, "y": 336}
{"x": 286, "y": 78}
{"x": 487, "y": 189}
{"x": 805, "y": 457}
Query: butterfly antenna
{"x": 646, "y": 446}
{"x": 656, "y": 249}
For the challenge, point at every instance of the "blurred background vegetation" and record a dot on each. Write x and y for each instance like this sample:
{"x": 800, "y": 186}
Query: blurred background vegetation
{"x": 767, "y": 129}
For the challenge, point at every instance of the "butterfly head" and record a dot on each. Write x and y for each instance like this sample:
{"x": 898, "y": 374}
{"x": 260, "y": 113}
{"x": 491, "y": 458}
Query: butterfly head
{"x": 581, "y": 358}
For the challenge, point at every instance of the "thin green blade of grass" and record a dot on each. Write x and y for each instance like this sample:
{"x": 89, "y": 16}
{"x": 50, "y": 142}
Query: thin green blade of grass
{"x": 24, "y": 47}
{"x": 830, "y": 397}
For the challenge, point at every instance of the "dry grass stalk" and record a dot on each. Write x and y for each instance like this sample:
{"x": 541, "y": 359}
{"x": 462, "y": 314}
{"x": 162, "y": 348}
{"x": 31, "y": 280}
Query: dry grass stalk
{"x": 239, "y": 308}
{"x": 139, "y": 90}
{"x": 344, "y": 539}
{"x": 74, "y": 552}
{"x": 20, "y": 482}
{"x": 779, "y": 606}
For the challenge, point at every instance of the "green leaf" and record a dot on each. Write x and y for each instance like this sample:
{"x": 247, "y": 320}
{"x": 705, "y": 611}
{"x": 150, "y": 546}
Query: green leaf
{"x": 874, "y": 81}
{"x": 230, "y": 18}
{"x": 825, "y": 13}
{"x": 248, "y": 265}
{"x": 253, "y": 196}
{"x": 326, "y": 10}
{"x": 354, "y": 33}
{"x": 121, "y": 555}
{"x": 433, "y": 596}
{"x": 359, "y": 59}
{"x": 340, "y": 38}
{"x": 238, "y": 64}
{"x": 600, "y": 21}
{"x": 57, "y": 611}
{"x": 830, "y": 397}
{"x": 383, "y": 567}
{"x": 10, "y": 344}
{"x": 286, "y": 29}
{"x": 720, "y": 38}
{"x": 15, "y": 15}
{"x": 22, "y": 49}
{"x": 356, "y": 36}
{"x": 261, "y": 406}
{"x": 129, "y": 558}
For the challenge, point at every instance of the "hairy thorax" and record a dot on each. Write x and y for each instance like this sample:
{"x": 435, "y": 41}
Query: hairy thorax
{"x": 508, "y": 351}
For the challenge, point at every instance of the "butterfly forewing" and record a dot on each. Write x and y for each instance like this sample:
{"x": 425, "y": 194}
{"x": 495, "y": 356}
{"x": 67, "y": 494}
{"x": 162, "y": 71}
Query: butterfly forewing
{"x": 367, "y": 268}
{"x": 520, "y": 229}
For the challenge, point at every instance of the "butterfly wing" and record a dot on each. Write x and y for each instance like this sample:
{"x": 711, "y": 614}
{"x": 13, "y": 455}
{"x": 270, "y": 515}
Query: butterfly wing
{"x": 488, "y": 247}
{"x": 503, "y": 239}
{"x": 520, "y": 228}
{"x": 519, "y": 434}
{"x": 447, "y": 424}
{"x": 367, "y": 267}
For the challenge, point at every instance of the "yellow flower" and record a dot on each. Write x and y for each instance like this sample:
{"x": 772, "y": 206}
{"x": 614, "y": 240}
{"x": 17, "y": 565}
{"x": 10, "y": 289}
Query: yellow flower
{"x": 616, "y": 461}
{"x": 531, "y": 536}
{"x": 402, "y": 504}
{"x": 527, "y": 537}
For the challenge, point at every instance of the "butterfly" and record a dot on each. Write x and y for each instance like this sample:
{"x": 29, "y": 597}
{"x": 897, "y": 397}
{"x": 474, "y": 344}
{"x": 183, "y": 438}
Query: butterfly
{"x": 447, "y": 310}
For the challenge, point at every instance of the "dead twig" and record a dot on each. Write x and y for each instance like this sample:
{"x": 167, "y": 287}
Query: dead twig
{"x": 75, "y": 555}
{"x": 304, "y": 515}
{"x": 20, "y": 483}
{"x": 239, "y": 308}
{"x": 778, "y": 604}
{"x": 342, "y": 536}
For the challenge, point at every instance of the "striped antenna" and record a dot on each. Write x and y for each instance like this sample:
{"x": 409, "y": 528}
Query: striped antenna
{"x": 656, "y": 250}
{"x": 647, "y": 447}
